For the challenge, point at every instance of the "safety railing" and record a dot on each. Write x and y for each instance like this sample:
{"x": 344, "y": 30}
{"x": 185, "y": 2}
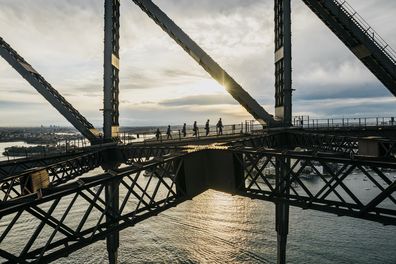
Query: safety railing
{"x": 44, "y": 150}
{"x": 150, "y": 136}
{"x": 335, "y": 123}
{"x": 367, "y": 29}
{"x": 136, "y": 135}
{"x": 248, "y": 127}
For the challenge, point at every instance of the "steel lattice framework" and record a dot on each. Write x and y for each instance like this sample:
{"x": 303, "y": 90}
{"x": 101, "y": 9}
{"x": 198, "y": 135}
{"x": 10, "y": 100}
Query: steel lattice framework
{"x": 52, "y": 212}
{"x": 335, "y": 194}
{"x": 16, "y": 185}
{"x": 143, "y": 179}
{"x": 55, "y": 211}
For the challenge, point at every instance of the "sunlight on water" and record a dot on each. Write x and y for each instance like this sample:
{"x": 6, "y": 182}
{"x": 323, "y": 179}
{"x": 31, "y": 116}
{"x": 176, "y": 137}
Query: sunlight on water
{"x": 212, "y": 228}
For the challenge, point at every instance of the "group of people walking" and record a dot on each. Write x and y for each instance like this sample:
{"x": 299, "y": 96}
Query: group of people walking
{"x": 195, "y": 130}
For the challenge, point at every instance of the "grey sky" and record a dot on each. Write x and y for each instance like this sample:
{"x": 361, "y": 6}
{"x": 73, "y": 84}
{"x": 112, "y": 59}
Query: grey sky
{"x": 160, "y": 84}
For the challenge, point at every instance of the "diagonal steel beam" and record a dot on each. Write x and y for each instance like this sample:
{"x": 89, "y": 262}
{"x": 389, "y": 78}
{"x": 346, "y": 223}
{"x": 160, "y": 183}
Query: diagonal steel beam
{"x": 207, "y": 63}
{"x": 379, "y": 199}
{"x": 358, "y": 37}
{"x": 48, "y": 92}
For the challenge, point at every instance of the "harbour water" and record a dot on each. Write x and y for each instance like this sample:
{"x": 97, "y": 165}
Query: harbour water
{"x": 219, "y": 228}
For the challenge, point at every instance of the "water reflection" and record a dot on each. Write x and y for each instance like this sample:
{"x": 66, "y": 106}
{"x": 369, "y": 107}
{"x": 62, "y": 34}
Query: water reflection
{"x": 212, "y": 228}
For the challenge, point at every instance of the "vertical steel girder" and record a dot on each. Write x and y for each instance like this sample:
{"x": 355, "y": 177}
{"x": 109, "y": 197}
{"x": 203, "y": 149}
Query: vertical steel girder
{"x": 48, "y": 92}
{"x": 111, "y": 112}
{"x": 111, "y": 69}
{"x": 282, "y": 208}
{"x": 207, "y": 63}
{"x": 283, "y": 67}
{"x": 112, "y": 196}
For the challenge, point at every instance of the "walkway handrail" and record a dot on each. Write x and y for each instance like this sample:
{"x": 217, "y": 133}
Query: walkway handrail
{"x": 177, "y": 134}
{"x": 367, "y": 29}
{"x": 343, "y": 122}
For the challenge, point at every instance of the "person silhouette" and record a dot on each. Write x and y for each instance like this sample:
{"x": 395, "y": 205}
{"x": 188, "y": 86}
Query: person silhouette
{"x": 207, "y": 127}
{"x": 158, "y": 134}
{"x": 219, "y": 127}
{"x": 169, "y": 133}
{"x": 184, "y": 130}
{"x": 195, "y": 129}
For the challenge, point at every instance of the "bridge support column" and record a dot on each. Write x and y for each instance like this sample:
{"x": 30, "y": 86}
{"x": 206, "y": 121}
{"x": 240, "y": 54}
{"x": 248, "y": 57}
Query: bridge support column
{"x": 282, "y": 208}
{"x": 283, "y": 62}
{"x": 111, "y": 69}
{"x": 112, "y": 207}
{"x": 111, "y": 159}
{"x": 111, "y": 113}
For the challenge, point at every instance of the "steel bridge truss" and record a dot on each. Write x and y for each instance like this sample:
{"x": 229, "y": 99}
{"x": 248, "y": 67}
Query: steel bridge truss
{"x": 73, "y": 211}
{"x": 18, "y": 185}
{"x": 335, "y": 195}
{"x": 75, "y": 215}
{"x": 65, "y": 168}
{"x": 14, "y": 167}
{"x": 316, "y": 142}
{"x": 138, "y": 154}
{"x": 147, "y": 188}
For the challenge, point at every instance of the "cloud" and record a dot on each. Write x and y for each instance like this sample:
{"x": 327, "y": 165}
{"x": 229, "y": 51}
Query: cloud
{"x": 347, "y": 107}
{"x": 175, "y": 115}
{"x": 320, "y": 91}
{"x": 215, "y": 99}
{"x": 163, "y": 77}
{"x": 10, "y": 104}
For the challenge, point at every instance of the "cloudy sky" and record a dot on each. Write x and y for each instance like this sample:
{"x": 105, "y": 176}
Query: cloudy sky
{"x": 160, "y": 84}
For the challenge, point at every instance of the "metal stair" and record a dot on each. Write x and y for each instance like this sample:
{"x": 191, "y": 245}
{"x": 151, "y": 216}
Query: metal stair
{"x": 359, "y": 37}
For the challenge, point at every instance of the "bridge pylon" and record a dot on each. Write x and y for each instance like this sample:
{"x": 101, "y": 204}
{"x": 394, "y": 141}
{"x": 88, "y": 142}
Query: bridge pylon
{"x": 283, "y": 62}
{"x": 111, "y": 114}
{"x": 283, "y": 111}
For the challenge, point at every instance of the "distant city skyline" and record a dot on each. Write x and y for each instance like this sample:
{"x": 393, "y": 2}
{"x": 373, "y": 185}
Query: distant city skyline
{"x": 160, "y": 84}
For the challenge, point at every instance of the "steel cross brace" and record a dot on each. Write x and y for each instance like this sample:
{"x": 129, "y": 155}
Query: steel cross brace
{"x": 335, "y": 196}
{"x": 13, "y": 187}
{"x": 139, "y": 199}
